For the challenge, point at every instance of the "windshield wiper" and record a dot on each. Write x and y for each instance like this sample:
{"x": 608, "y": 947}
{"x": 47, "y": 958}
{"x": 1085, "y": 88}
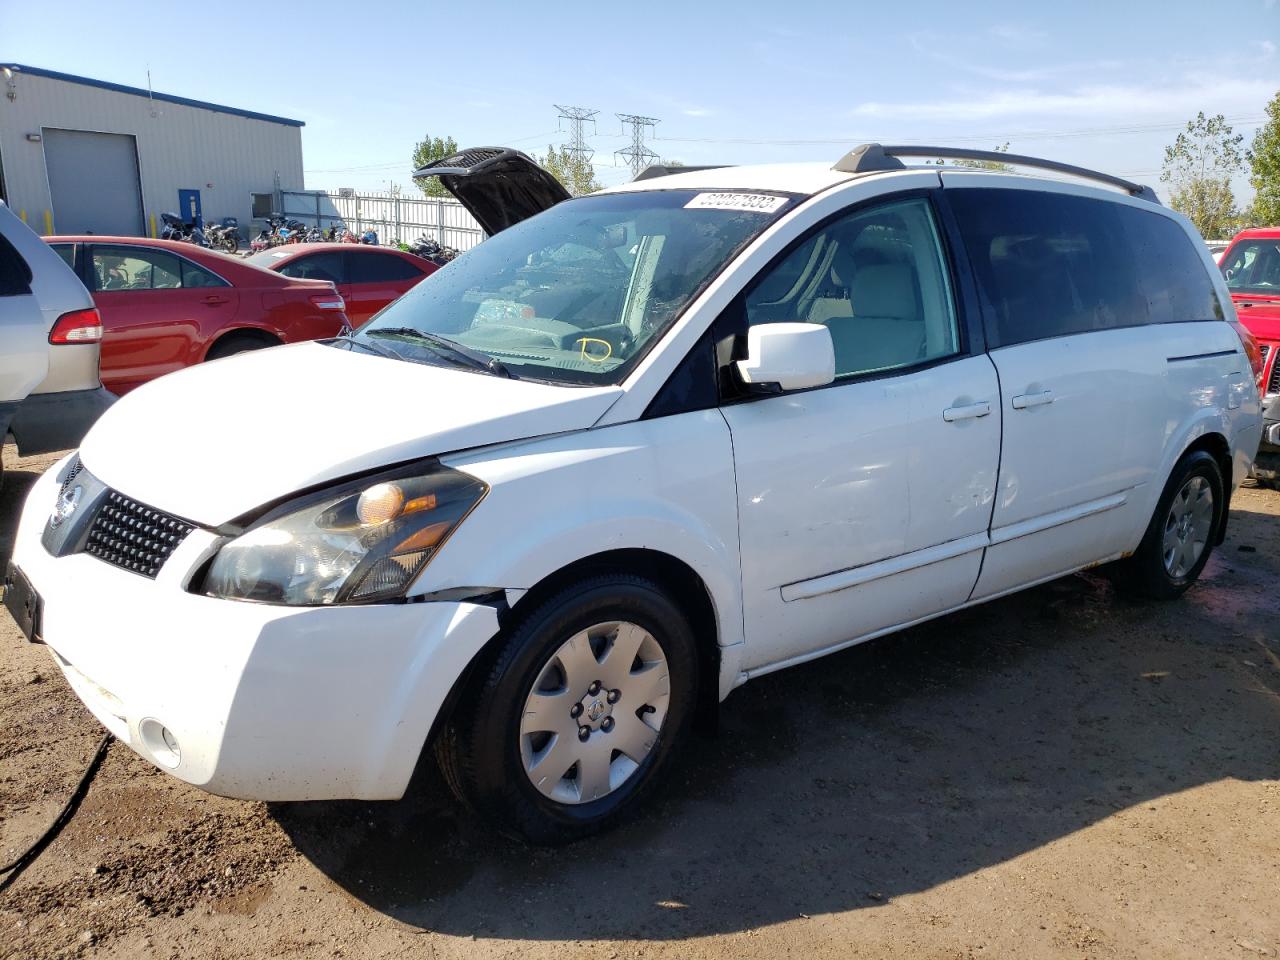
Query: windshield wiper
{"x": 474, "y": 359}
{"x": 376, "y": 348}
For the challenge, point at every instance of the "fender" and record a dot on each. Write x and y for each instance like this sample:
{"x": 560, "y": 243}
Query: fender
{"x": 1205, "y": 421}
{"x": 665, "y": 485}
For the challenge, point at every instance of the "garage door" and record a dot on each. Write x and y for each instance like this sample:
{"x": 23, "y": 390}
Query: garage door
{"x": 93, "y": 178}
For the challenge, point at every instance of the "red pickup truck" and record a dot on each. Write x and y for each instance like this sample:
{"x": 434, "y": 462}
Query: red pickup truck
{"x": 1251, "y": 266}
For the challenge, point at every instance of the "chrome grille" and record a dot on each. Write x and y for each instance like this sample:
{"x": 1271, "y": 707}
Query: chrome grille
{"x": 1273, "y": 382}
{"x": 133, "y": 536}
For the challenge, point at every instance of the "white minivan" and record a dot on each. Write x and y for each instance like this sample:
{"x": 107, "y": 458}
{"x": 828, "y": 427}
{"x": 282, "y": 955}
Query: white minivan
{"x": 632, "y": 451}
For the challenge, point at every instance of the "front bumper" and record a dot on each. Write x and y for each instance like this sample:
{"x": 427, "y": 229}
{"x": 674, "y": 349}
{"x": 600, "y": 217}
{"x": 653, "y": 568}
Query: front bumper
{"x": 265, "y": 702}
{"x": 1267, "y": 464}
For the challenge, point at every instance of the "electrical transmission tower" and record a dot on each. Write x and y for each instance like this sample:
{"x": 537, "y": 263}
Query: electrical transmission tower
{"x": 638, "y": 156}
{"x": 578, "y": 118}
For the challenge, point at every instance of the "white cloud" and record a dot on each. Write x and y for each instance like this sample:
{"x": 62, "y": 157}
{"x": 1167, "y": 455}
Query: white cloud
{"x": 696, "y": 111}
{"x": 1017, "y": 35}
{"x": 1268, "y": 49}
{"x": 1211, "y": 93}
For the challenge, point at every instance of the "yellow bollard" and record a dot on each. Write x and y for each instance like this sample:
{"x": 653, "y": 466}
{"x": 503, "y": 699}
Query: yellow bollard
{"x": 153, "y": 226}
{"x": 48, "y": 223}
{"x": 22, "y": 215}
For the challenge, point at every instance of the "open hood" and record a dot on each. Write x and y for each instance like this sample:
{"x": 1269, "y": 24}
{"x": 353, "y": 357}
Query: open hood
{"x": 497, "y": 185}
{"x": 216, "y": 441}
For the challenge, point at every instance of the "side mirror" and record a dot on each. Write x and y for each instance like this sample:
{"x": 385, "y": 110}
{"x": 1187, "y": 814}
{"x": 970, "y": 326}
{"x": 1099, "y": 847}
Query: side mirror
{"x": 788, "y": 356}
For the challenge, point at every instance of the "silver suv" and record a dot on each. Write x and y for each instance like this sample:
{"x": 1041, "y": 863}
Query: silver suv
{"x": 50, "y": 335}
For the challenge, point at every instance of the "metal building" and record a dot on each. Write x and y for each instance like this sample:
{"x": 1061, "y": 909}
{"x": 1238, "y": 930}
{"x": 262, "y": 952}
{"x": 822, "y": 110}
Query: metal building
{"x": 85, "y": 156}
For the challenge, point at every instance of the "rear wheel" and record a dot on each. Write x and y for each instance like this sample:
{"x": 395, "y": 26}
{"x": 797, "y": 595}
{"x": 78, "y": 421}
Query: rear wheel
{"x": 239, "y": 343}
{"x": 1180, "y": 537}
{"x": 576, "y": 716}
{"x": 230, "y": 244}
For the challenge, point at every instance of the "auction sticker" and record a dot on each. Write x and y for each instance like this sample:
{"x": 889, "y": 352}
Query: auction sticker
{"x": 748, "y": 202}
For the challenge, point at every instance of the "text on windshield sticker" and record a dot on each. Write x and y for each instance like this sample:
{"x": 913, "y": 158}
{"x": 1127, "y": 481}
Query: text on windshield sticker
{"x": 748, "y": 202}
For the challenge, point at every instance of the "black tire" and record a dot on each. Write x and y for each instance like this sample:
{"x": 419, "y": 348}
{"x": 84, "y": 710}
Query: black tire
{"x": 230, "y": 244}
{"x": 1145, "y": 574}
{"x": 479, "y": 750}
{"x": 238, "y": 343}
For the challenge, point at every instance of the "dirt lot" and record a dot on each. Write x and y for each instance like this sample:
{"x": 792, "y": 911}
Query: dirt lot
{"x": 1057, "y": 774}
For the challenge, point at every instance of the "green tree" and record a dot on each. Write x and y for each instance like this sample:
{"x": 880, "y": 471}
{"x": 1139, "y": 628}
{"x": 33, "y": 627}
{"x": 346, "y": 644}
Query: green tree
{"x": 1264, "y": 168}
{"x": 428, "y": 149}
{"x": 1198, "y": 167}
{"x": 577, "y": 175}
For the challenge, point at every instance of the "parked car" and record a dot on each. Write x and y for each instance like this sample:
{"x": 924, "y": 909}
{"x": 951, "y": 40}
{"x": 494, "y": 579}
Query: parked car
{"x": 368, "y": 278}
{"x": 166, "y": 305}
{"x": 49, "y": 336}
{"x": 1251, "y": 266}
{"x": 627, "y": 454}
{"x": 1217, "y": 248}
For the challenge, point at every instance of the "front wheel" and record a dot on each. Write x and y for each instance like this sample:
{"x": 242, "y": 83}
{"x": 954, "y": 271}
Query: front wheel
{"x": 1180, "y": 537}
{"x": 575, "y": 717}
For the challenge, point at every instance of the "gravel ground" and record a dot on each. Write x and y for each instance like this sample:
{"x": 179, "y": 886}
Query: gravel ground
{"x": 1057, "y": 774}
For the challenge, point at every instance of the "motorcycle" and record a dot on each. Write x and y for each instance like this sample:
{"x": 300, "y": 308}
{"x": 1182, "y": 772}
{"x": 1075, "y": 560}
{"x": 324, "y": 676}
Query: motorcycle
{"x": 429, "y": 249}
{"x": 225, "y": 235}
{"x": 176, "y": 229}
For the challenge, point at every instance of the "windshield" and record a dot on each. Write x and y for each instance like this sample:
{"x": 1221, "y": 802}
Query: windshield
{"x": 577, "y": 293}
{"x": 1253, "y": 266}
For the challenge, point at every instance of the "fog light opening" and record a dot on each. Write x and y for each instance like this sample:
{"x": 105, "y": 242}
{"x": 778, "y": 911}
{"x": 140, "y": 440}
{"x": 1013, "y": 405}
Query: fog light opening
{"x": 160, "y": 743}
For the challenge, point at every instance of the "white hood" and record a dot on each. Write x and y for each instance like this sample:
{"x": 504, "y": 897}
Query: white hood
{"x": 213, "y": 442}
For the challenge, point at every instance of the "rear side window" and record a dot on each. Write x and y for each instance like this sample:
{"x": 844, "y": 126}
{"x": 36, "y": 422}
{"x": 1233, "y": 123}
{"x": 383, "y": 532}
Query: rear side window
{"x": 197, "y": 276}
{"x": 318, "y": 266}
{"x": 15, "y": 275}
{"x": 1170, "y": 269}
{"x": 1051, "y": 265}
{"x": 67, "y": 251}
{"x": 379, "y": 268}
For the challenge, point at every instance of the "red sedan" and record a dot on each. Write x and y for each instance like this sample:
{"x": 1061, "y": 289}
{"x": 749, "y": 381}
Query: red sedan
{"x": 166, "y": 305}
{"x": 368, "y": 277}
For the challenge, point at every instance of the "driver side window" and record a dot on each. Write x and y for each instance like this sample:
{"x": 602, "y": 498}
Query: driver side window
{"x": 876, "y": 280}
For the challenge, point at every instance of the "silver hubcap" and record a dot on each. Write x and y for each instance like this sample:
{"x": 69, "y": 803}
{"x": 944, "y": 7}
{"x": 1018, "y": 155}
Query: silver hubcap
{"x": 1187, "y": 528}
{"x": 594, "y": 712}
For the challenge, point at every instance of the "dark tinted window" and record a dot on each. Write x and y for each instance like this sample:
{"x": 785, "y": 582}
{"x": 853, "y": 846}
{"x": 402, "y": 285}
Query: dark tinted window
{"x": 1170, "y": 269}
{"x": 67, "y": 251}
{"x": 318, "y": 266}
{"x": 197, "y": 276}
{"x": 15, "y": 275}
{"x": 1050, "y": 265}
{"x": 379, "y": 268}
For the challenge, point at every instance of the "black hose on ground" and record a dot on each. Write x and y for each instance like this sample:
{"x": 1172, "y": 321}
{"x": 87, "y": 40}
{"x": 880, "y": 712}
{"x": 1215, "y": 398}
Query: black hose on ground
{"x": 15, "y": 867}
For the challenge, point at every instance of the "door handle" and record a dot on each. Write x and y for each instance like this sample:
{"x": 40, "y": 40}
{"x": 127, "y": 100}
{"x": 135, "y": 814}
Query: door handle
{"x": 214, "y": 301}
{"x": 967, "y": 412}
{"x": 1025, "y": 400}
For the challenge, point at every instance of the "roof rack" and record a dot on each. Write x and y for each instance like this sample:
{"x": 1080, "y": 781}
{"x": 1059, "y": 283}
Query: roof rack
{"x": 655, "y": 170}
{"x": 870, "y": 157}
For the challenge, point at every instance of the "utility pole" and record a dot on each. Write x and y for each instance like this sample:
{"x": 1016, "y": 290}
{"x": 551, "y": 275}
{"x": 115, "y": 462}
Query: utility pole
{"x": 638, "y": 156}
{"x": 578, "y": 118}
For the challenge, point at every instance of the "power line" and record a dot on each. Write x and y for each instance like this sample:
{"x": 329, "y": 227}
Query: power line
{"x": 638, "y": 156}
{"x": 982, "y": 138}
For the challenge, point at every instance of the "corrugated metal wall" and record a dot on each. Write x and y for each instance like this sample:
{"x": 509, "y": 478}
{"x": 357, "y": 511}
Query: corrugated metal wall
{"x": 225, "y": 157}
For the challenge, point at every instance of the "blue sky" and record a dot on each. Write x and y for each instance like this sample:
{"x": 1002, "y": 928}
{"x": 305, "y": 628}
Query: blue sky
{"x": 1099, "y": 84}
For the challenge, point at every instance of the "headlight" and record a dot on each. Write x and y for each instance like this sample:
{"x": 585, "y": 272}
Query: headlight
{"x": 360, "y": 542}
